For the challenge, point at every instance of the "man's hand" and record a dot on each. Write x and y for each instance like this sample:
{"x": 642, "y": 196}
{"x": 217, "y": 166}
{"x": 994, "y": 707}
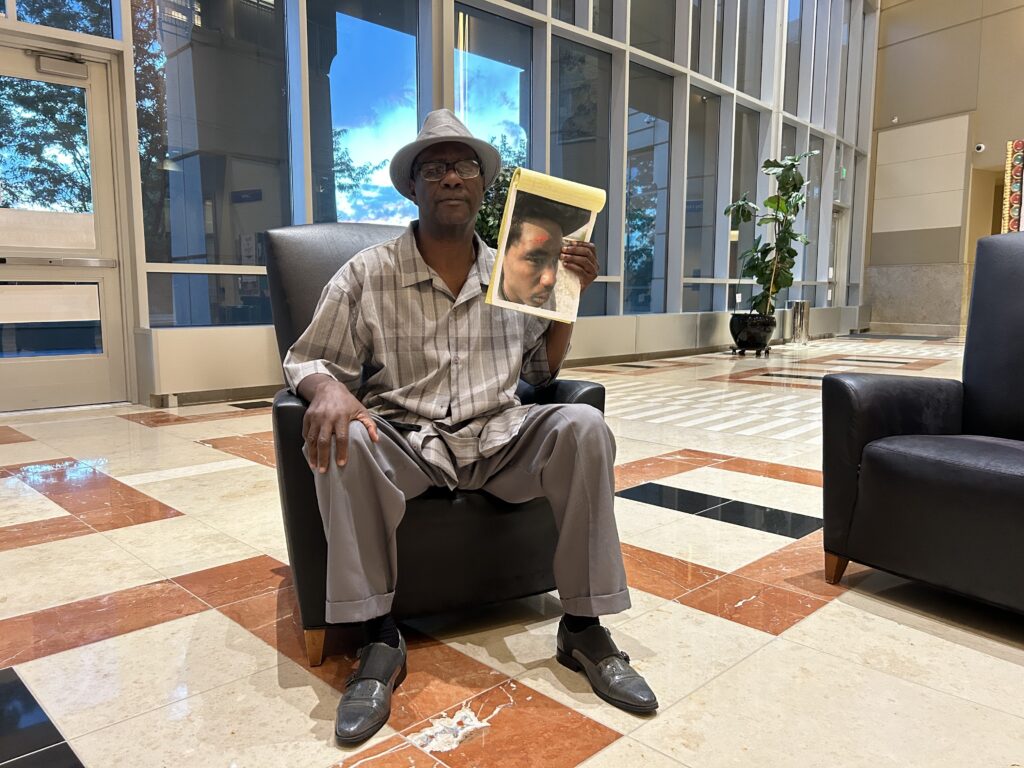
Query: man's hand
{"x": 331, "y": 409}
{"x": 581, "y": 258}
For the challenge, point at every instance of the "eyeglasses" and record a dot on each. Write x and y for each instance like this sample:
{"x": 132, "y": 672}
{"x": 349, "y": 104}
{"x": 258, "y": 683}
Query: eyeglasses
{"x": 435, "y": 171}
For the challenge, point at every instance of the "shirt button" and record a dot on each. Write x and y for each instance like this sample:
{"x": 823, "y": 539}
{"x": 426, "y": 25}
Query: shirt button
{"x": 455, "y": 360}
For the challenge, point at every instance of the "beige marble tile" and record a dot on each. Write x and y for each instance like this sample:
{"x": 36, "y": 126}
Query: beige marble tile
{"x": 180, "y": 545}
{"x": 21, "y": 504}
{"x": 700, "y": 540}
{"x": 97, "y": 685}
{"x": 767, "y": 491}
{"x": 111, "y": 428}
{"x": 202, "y": 430}
{"x": 278, "y": 717}
{"x": 22, "y": 453}
{"x": 57, "y": 572}
{"x": 677, "y": 649}
{"x": 945, "y": 659}
{"x": 261, "y": 526}
{"x": 184, "y": 472}
{"x": 808, "y": 460}
{"x": 629, "y": 449}
{"x": 626, "y": 753}
{"x": 789, "y": 705}
{"x": 169, "y": 453}
{"x": 83, "y": 413}
{"x": 635, "y": 517}
{"x": 214, "y": 494}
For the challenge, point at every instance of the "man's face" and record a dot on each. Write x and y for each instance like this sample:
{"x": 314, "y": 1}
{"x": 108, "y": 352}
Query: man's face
{"x": 531, "y": 263}
{"x": 452, "y": 201}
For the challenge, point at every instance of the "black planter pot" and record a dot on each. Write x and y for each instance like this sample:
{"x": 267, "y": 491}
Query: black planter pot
{"x": 751, "y": 332}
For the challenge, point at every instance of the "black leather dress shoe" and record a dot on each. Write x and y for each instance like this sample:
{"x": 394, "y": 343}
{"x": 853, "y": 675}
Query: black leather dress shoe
{"x": 594, "y": 653}
{"x": 366, "y": 704}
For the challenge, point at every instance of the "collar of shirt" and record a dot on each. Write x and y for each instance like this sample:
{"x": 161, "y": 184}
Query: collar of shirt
{"x": 413, "y": 269}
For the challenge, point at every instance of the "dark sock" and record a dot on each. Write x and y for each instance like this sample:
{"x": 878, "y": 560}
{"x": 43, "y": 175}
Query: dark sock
{"x": 382, "y": 630}
{"x": 579, "y": 623}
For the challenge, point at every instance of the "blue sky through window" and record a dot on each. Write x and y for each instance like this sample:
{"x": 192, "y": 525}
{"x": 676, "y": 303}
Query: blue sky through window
{"x": 487, "y": 98}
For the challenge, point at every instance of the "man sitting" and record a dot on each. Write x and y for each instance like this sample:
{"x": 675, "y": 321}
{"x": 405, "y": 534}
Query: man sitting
{"x": 411, "y": 379}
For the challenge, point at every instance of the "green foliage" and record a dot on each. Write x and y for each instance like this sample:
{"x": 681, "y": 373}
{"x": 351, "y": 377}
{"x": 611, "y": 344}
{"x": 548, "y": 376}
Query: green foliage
{"x": 771, "y": 264}
{"x": 488, "y": 221}
{"x": 350, "y": 176}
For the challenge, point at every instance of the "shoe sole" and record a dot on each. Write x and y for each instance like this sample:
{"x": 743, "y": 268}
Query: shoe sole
{"x": 569, "y": 662}
{"x": 351, "y": 741}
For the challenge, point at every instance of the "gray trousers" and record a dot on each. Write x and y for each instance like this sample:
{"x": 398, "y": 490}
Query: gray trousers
{"x": 563, "y": 452}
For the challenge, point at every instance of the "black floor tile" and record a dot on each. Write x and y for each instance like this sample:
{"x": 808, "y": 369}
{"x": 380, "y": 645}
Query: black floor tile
{"x": 57, "y": 756}
{"x": 24, "y": 727}
{"x": 253, "y": 404}
{"x": 672, "y": 498}
{"x": 768, "y": 519}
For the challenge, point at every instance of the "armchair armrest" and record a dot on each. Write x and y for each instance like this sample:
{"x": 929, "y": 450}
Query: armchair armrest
{"x": 563, "y": 391}
{"x": 858, "y": 409}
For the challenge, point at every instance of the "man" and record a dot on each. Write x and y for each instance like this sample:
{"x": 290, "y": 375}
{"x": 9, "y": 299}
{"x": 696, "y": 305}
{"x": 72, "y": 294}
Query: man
{"x": 529, "y": 269}
{"x": 437, "y": 406}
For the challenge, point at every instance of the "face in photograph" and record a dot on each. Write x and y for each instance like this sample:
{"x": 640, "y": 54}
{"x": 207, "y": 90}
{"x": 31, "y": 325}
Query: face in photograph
{"x": 530, "y": 268}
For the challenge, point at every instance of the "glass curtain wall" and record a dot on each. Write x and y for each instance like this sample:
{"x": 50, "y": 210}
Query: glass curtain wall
{"x": 493, "y": 63}
{"x": 746, "y": 164}
{"x": 362, "y": 106}
{"x": 794, "y": 32}
{"x": 844, "y": 68}
{"x": 812, "y": 228}
{"x": 652, "y": 25}
{"x": 701, "y": 198}
{"x": 647, "y": 195}
{"x": 751, "y": 43}
{"x": 603, "y": 17}
{"x": 214, "y": 155}
{"x": 91, "y": 17}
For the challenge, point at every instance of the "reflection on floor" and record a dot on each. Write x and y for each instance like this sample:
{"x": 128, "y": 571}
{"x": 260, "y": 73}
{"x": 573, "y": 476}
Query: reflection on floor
{"x": 147, "y": 616}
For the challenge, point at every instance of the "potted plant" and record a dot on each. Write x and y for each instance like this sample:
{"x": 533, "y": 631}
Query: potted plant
{"x": 770, "y": 262}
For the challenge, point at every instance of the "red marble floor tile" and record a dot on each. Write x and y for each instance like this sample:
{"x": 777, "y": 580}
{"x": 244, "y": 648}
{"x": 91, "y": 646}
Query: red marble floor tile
{"x": 514, "y": 726}
{"x": 776, "y": 471}
{"x": 9, "y": 435}
{"x": 60, "y": 476}
{"x": 396, "y": 752}
{"x": 248, "y": 447}
{"x": 41, "y": 531}
{"x": 124, "y": 515}
{"x": 752, "y": 603}
{"x": 664, "y": 576}
{"x": 103, "y": 494}
{"x": 237, "y": 581}
{"x": 155, "y": 418}
{"x": 43, "y": 633}
{"x": 800, "y": 567}
{"x": 648, "y": 470}
{"x": 691, "y": 454}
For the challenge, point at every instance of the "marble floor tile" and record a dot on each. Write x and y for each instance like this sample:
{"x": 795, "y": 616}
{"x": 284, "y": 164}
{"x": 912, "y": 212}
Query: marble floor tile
{"x": 627, "y": 752}
{"x": 181, "y": 473}
{"x": 201, "y": 430}
{"x": 123, "y": 515}
{"x": 212, "y": 494}
{"x": 777, "y": 471}
{"x": 676, "y": 649}
{"x": 808, "y": 460}
{"x": 88, "y": 688}
{"x": 20, "y": 503}
{"x": 259, "y": 450}
{"x": 722, "y": 546}
{"x": 278, "y": 717}
{"x": 20, "y": 453}
{"x": 25, "y": 727}
{"x": 635, "y": 517}
{"x": 67, "y": 415}
{"x": 789, "y": 705}
{"x": 396, "y": 752}
{"x": 238, "y": 580}
{"x": 649, "y": 470}
{"x": 58, "y": 756}
{"x": 41, "y": 531}
{"x": 180, "y": 545}
{"x": 511, "y": 725}
{"x": 780, "y": 494}
{"x": 9, "y": 436}
{"x": 952, "y": 661}
{"x": 44, "y": 575}
{"x": 628, "y": 449}
{"x": 53, "y": 630}
{"x": 751, "y": 603}
{"x": 661, "y": 575}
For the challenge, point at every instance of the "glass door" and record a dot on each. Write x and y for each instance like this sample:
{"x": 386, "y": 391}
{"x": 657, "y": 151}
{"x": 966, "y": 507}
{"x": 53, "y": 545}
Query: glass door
{"x": 61, "y": 325}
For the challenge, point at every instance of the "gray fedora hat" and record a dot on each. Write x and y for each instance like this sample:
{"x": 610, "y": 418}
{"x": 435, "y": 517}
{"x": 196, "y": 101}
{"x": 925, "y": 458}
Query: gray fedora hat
{"x": 442, "y": 126}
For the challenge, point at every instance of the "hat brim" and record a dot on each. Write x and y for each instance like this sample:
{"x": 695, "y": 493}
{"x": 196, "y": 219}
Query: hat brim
{"x": 401, "y": 163}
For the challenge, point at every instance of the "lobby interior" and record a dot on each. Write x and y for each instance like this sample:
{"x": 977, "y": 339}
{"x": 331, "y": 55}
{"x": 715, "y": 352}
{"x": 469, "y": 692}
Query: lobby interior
{"x": 148, "y": 615}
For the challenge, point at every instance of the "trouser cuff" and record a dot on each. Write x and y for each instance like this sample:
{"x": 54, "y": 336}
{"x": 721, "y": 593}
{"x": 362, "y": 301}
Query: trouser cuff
{"x": 358, "y": 610}
{"x": 597, "y": 605}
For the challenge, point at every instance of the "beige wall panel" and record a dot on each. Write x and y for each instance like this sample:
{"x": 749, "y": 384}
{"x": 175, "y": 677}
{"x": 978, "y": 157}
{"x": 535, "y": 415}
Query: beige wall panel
{"x": 664, "y": 333}
{"x": 916, "y": 177}
{"x": 1000, "y": 109}
{"x": 47, "y": 229}
{"x": 934, "y": 211}
{"x": 934, "y": 138}
{"x": 892, "y": 3}
{"x": 919, "y": 246}
{"x": 929, "y": 77}
{"x": 603, "y": 337}
{"x": 922, "y": 17}
{"x": 919, "y": 294}
{"x": 998, "y": 6}
{"x": 201, "y": 359}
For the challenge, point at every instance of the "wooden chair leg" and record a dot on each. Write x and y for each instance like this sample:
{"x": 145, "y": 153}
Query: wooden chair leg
{"x": 315, "y": 646}
{"x": 835, "y": 567}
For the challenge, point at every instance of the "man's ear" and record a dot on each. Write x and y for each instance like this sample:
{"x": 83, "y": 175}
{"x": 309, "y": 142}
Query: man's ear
{"x": 412, "y": 190}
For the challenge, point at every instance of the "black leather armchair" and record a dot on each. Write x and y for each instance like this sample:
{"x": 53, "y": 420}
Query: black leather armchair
{"x": 455, "y": 549}
{"x": 925, "y": 477}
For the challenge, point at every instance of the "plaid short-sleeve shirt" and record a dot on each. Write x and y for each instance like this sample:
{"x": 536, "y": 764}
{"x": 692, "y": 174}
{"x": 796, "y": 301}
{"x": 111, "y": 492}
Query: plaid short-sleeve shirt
{"x": 389, "y": 328}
